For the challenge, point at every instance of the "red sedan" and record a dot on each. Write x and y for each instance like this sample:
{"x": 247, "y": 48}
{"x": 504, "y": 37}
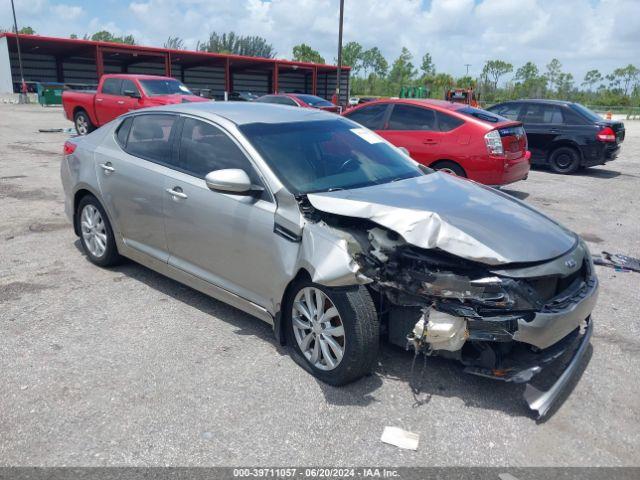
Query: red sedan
{"x": 453, "y": 137}
{"x": 303, "y": 100}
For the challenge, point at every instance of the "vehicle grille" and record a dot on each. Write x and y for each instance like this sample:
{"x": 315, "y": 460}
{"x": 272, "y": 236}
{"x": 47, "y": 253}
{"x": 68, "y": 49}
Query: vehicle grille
{"x": 553, "y": 286}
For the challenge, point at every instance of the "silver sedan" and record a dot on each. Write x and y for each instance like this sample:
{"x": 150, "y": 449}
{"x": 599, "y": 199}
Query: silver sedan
{"x": 335, "y": 237}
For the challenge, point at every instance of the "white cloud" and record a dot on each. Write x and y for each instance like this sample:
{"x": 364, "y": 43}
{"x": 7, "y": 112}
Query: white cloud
{"x": 67, "y": 12}
{"x": 582, "y": 34}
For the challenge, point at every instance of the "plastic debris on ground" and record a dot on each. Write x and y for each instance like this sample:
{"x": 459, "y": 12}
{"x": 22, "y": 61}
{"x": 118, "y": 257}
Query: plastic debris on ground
{"x": 621, "y": 263}
{"x": 69, "y": 130}
{"x": 400, "y": 438}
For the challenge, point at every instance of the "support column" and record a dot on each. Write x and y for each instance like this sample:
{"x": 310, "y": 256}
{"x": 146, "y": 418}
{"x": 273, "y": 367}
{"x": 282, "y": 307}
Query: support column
{"x": 59, "y": 70}
{"x": 99, "y": 63}
{"x": 167, "y": 65}
{"x": 314, "y": 81}
{"x": 275, "y": 78}
{"x": 227, "y": 75}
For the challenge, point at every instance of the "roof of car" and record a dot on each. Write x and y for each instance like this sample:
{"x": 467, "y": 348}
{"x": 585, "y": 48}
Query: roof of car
{"x": 242, "y": 113}
{"x": 540, "y": 100}
{"x": 444, "y": 104}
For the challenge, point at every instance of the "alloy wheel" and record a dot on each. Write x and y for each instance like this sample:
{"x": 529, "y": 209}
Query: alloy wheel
{"x": 94, "y": 231}
{"x": 318, "y": 328}
{"x": 82, "y": 125}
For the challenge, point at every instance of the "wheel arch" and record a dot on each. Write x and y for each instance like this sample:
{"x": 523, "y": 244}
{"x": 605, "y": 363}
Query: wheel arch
{"x": 278, "y": 321}
{"x": 443, "y": 160}
{"x": 81, "y": 192}
{"x": 565, "y": 142}
{"x": 80, "y": 108}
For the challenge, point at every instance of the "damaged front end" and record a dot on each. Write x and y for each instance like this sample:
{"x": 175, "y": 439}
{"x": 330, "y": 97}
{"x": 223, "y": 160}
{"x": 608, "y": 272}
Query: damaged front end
{"x": 506, "y": 322}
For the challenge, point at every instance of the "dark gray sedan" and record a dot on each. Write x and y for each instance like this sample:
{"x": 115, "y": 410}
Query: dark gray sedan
{"x": 335, "y": 237}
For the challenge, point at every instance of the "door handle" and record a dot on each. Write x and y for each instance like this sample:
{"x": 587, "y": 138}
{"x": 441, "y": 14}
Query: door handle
{"x": 98, "y": 99}
{"x": 120, "y": 102}
{"x": 108, "y": 169}
{"x": 176, "y": 192}
{"x": 429, "y": 141}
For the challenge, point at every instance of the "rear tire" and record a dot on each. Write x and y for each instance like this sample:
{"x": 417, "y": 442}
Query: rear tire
{"x": 353, "y": 331}
{"x": 564, "y": 160}
{"x": 96, "y": 234}
{"x": 83, "y": 123}
{"x": 449, "y": 167}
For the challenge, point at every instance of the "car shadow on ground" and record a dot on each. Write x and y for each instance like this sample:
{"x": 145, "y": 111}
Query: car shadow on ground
{"x": 593, "y": 172}
{"x": 423, "y": 377}
{"x": 515, "y": 193}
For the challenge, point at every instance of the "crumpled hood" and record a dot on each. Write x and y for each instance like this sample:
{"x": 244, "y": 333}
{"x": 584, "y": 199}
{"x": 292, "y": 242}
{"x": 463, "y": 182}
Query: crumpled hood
{"x": 455, "y": 215}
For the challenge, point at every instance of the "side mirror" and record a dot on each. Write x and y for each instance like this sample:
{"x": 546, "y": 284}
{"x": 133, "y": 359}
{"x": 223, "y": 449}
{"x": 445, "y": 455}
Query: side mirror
{"x": 231, "y": 180}
{"x": 131, "y": 93}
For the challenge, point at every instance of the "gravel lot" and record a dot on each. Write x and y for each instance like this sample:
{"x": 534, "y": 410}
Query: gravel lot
{"x": 126, "y": 367}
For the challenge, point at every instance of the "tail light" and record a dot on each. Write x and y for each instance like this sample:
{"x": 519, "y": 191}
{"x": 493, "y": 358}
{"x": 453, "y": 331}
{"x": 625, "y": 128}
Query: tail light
{"x": 494, "y": 143}
{"x": 606, "y": 135}
{"x": 69, "y": 148}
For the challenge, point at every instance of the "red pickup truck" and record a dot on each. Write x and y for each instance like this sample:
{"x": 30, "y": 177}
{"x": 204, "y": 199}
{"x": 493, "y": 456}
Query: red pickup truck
{"x": 120, "y": 93}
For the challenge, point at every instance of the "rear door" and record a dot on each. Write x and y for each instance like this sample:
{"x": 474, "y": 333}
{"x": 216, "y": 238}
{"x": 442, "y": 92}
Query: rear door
{"x": 131, "y": 174}
{"x": 543, "y": 124}
{"x": 222, "y": 238}
{"x": 109, "y": 104}
{"x": 414, "y": 128}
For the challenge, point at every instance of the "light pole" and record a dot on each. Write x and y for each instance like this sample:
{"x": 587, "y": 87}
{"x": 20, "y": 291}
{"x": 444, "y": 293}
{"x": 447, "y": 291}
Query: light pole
{"x": 23, "y": 93}
{"x": 467, "y": 65}
{"x": 339, "y": 74}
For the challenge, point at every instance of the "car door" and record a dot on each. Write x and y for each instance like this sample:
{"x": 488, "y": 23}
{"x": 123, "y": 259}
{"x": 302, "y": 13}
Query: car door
{"x": 129, "y": 102}
{"x": 415, "y": 129}
{"x": 543, "y": 124}
{"x": 107, "y": 101}
{"x": 222, "y": 238}
{"x": 131, "y": 175}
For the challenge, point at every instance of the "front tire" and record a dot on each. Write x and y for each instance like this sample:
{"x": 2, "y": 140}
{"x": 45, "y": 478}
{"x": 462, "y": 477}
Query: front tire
{"x": 564, "y": 160}
{"x": 96, "y": 234}
{"x": 83, "y": 123}
{"x": 334, "y": 333}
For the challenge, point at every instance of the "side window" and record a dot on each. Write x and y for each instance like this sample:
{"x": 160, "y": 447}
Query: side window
{"x": 111, "y": 86}
{"x": 123, "y": 132}
{"x": 287, "y": 101}
{"x": 128, "y": 85}
{"x": 406, "y": 117}
{"x": 150, "y": 137}
{"x": 510, "y": 110}
{"x": 552, "y": 114}
{"x": 446, "y": 123}
{"x": 571, "y": 118}
{"x": 204, "y": 148}
{"x": 370, "y": 117}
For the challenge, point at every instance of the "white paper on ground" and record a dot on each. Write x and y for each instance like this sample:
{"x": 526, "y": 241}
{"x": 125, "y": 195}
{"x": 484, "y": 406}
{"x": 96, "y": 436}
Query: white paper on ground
{"x": 400, "y": 438}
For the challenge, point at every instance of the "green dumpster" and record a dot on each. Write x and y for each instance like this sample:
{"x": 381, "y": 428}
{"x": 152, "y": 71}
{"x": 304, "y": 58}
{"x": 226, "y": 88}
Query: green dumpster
{"x": 49, "y": 93}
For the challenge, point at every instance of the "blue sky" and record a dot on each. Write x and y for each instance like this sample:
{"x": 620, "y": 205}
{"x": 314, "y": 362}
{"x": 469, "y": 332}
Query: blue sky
{"x": 582, "y": 34}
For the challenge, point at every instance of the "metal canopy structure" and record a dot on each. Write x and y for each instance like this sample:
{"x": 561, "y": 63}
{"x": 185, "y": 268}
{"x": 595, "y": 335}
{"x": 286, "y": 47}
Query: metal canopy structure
{"x": 83, "y": 62}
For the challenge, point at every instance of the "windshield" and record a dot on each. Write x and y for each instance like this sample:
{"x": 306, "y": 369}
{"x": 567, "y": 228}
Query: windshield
{"x": 164, "y": 87}
{"x": 483, "y": 115}
{"x": 585, "y": 112}
{"x": 315, "y": 101}
{"x": 328, "y": 155}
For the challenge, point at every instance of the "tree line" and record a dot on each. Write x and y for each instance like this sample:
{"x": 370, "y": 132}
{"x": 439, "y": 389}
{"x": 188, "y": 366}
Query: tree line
{"x": 372, "y": 74}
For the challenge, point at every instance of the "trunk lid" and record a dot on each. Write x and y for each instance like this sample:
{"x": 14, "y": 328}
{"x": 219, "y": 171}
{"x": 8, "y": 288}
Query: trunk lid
{"x": 514, "y": 140}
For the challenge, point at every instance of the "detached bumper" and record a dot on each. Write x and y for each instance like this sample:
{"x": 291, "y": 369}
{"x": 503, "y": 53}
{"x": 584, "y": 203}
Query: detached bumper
{"x": 542, "y": 401}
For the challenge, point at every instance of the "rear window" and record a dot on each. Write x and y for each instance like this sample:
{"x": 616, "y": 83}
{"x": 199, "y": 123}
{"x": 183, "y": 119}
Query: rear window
{"x": 164, "y": 87}
{"x": 123, "y": 132}
{"x": 314, "y": 101}
{"x": 483, "y": 115}
{"x": 585, "y": 112}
